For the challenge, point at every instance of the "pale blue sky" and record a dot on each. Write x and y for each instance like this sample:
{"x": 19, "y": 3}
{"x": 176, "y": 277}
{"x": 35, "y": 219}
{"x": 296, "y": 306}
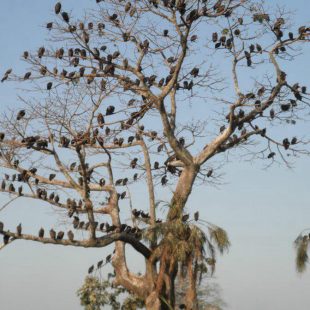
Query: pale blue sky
{"x": 262, "y": 211}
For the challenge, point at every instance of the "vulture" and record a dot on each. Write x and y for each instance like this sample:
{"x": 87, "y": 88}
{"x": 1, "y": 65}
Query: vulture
{"x": 185, "y": 217}
{"x": 19, "y": 229}
{"x": 209, "y": 173}
{"x": 76, "y": 222}
{"x": 60, "y": 235}
{"x": 41, "y": 233}
{"x": 127, "y": 7}
{"x": 49, "y": 85}
{"x": 72, "y": 166}
{"x": 130, "y": 139}
{"x": 133, "y": 163}
{"x": 194, "y": 72}
{"x": 82, "y": 71}
{"x": 194, "y": 38}
{"x": 214, "y": 37}
{"x": 65, "y": 16}
{"x": 57, "y": 8}
{"x": 196, "y": 216}
{"x": 53, "y": 234}
{"x": 108, "y": 258}
{"x": 91, "y": 269}
{"x": 100, "y": 120}
{"x": 20, "y": 190}
{"x": 41, "y": 52}
{"x": 52, "y": 176}
{"x": 110, "y": 110}
{"x": 6, "y": 239}
{"x": 27, "y": 75}
{"x": 261, "y": 91}
{"x": 70, "y": 235}
{"x": 286, "y": 143}
{"x": 11, "y": 188}
{"x": 164, "y": 180}
{"x": 49, "y": 26}
{"x": 6, "y": 75}
{"x": 118, "y": 182}
{"x": 294, "y": 140}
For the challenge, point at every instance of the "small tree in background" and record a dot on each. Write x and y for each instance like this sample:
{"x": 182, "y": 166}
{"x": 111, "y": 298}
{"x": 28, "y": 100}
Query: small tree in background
{"x": 157, "y": 93}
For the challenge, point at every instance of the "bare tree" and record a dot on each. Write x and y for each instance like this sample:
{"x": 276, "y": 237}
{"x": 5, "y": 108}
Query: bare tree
{"x": 109, "y": 95}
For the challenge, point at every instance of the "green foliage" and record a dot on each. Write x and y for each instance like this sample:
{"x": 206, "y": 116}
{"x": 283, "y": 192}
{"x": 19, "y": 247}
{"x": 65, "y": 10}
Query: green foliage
{"x": 96, "y": 294}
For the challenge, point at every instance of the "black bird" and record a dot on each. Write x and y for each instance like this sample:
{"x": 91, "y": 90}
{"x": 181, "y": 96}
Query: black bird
{"x": 271, "y": 155}
{"x": 11, "y": 188}
{"x": 19, "y": 229}
{"x": 53, "y": 234}
{"x": 70, "y": 235}
{"x": 99, "y": 264}
{"x": 21, "y": 114}
{"x": 209, "y": 173}
{"x": 108, "y": 258}
{"x": 65, "y": 17}
{"x": 6, "y": 75}
{"x": 2, "y": 135}
{"x": 49, "y": 85}
{"x": 133, "y": 163}
{"x": 52, "y": 176}
{"x": 1, "y": 227}
{"x": 164, "y": 180}
{"x": 110, "y": 110}
{"x": 60, "y": 235}
{"x": 76, "y": 222}
{"x": 3, "y": 185}
{"x": 135, "y": 176}
{"x": 49, "y": 26}
{"x": 41, "y": 233}
{"x": 196, "y": 216}
{"x": 6, "y": 239}
{"x": 156, "y": 165}
{"x": 91, "y": 269}
{"x": 27, "y": 75}
{"x": 185, "y": 217}
{"x": 20, "y": 190}
{"x": 57, "y": 8}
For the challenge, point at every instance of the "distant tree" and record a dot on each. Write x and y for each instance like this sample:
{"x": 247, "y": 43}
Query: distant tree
{"x": 109, "y": 108}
